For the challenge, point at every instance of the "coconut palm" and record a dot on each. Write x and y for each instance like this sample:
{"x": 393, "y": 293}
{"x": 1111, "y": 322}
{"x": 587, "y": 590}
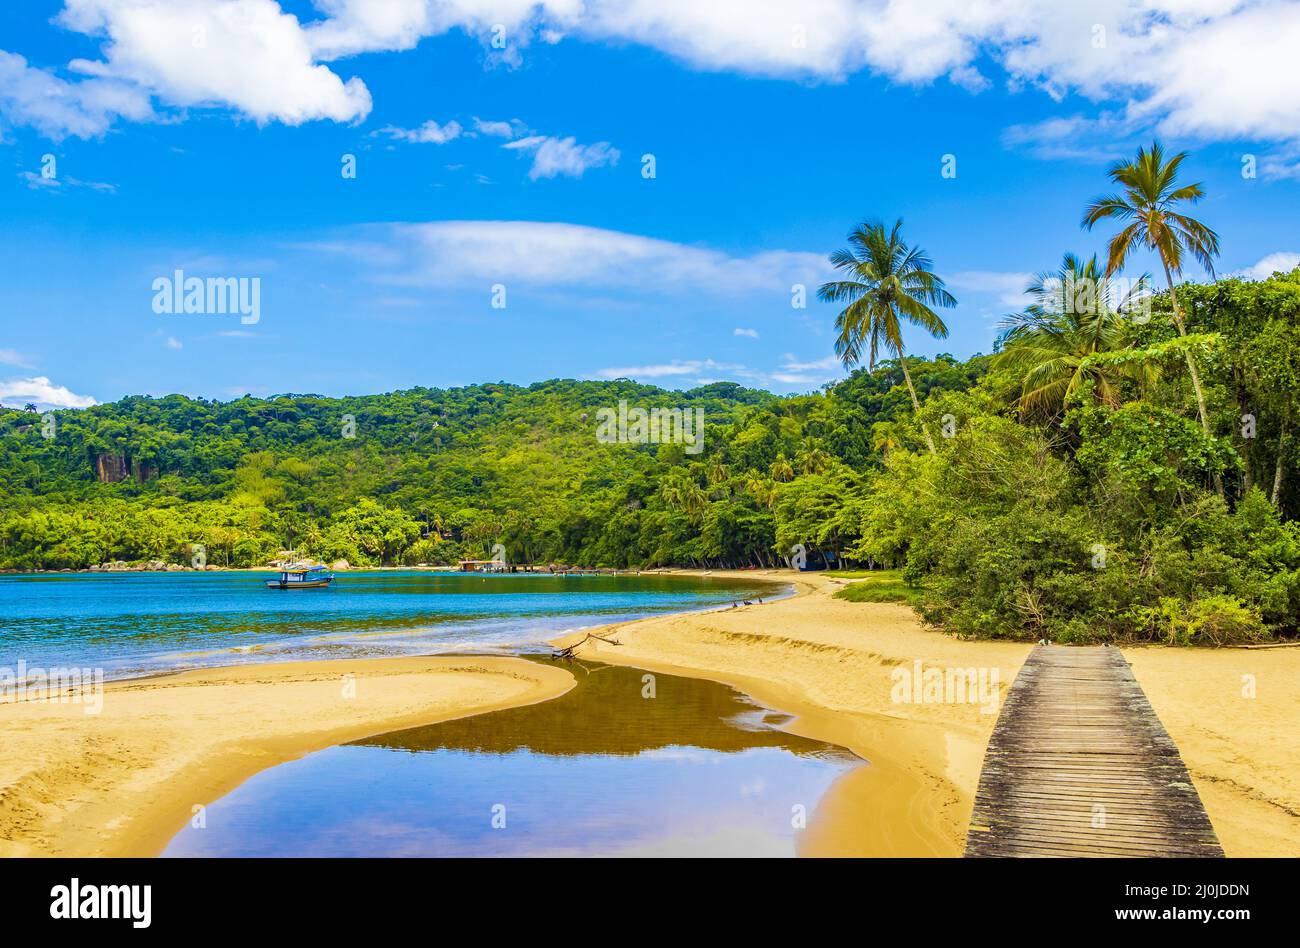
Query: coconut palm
{"x": 811, "y": 459}
{"x": 1149, "y": 206}
{"x": 886, "y": 282}
{"x": 762, "y": 489}
{"x": 886, "y": 436}
{"x": 1076, "y": 314}
{"x": 681, "y": 491}
{"x": 781, "y": 469}
{"x": 716, "y": 471}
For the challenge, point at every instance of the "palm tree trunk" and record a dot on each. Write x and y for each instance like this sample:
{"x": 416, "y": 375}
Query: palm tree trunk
{"x": 1191, "y": 368}
{"x": 1281, "y": 458}
{"x": 916, "y": 404}
{"x": 1247, "y": 475}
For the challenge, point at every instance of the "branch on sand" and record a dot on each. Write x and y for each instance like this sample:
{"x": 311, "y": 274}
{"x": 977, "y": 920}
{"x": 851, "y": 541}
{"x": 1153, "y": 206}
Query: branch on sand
{"x": 570, "y": 652}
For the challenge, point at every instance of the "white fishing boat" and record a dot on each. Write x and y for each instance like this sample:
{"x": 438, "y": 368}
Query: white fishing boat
{"x": 301, "y": 576}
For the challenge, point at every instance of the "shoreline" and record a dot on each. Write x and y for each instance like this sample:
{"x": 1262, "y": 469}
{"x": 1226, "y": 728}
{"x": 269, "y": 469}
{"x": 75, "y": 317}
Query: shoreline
{"x": 828, "y": 662}
{"x": 264, "y": 653}
{"x": 123, "y": 782}
{"x": 576, "y": 570}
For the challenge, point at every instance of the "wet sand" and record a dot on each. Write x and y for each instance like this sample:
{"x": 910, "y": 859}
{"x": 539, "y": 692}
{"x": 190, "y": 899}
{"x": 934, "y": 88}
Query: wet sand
{"x": 829, "y": 661}
{"x": 125, "y": 781}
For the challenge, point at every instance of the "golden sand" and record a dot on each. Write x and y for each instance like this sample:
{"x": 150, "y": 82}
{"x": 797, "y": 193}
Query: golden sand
{"x": 829, "y": 661}
{"x": 124, "y": 781}
{"x": 1235, "y": 715}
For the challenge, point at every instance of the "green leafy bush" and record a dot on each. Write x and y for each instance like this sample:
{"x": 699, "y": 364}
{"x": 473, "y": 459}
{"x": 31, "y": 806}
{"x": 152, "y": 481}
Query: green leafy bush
{"x": 1214, "y": 620}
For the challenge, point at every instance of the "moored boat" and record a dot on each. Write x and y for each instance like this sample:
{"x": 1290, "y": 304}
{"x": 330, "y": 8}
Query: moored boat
{"x": 302, "y": 577}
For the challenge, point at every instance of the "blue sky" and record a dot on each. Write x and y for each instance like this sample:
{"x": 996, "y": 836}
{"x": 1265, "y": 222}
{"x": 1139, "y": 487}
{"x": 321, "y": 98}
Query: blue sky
{"x": 210, "y": 135}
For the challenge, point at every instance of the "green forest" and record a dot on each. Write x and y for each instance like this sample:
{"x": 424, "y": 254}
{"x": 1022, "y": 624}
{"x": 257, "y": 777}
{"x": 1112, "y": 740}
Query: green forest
{"x": 1121, "y": 467}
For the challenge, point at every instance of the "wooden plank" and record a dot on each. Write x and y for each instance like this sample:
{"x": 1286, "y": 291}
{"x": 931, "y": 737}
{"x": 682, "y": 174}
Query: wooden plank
{"x": 1079, "y": 765}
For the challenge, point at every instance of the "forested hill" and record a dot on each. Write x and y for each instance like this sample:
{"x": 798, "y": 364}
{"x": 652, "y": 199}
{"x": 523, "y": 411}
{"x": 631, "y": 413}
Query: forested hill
{"x": 430, "y": 475}
{"x": 1082, "y": 484}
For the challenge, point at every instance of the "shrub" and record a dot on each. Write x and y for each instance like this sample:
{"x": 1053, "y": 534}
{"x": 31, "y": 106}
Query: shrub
{"x": 1213, "y": 620}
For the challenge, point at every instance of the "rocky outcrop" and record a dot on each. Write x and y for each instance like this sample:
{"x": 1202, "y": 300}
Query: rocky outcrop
{"x": 111, "y": 468}
{"x": 151, "y": 566}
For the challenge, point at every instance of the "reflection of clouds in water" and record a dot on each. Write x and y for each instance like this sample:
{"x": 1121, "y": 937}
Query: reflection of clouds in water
{"x": 597, "y": 771}
{"x": 744, "y": 842}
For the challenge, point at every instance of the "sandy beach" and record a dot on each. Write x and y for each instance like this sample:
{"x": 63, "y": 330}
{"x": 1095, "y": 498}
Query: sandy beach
{"x": 829, "y": 662}
{"x": 124, "y": 781}
{"x": 1235, "y": 715}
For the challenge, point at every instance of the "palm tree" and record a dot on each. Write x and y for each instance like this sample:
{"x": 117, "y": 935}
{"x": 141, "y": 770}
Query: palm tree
{"x": 886, "y": 437}
{"x": 1149, "y": 205}
{"x": 781, "y": 470}
{"x": 812, "y": 459}
{"x": 716, "y": 471}
{"x": 762, "y": 489}
{"x": 1051, "y": 343}
{"x": 885, "y": 280}
{"x": 680, "y": 490}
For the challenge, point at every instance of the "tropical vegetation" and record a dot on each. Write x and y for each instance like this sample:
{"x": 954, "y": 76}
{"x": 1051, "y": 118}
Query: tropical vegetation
{"x": 1121, "y": 468}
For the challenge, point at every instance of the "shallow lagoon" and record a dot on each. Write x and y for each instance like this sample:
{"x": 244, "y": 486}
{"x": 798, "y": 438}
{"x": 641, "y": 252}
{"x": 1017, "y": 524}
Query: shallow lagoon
{"x": 624, "y": 764}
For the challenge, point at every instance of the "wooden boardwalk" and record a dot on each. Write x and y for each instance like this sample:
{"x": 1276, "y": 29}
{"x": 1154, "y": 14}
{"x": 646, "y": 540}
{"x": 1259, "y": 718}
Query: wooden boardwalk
{"x": 1079, "y": 765}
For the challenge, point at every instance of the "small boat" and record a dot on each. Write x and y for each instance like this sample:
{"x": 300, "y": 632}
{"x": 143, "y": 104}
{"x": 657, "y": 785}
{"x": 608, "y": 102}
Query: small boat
{"x": 302, "y": 577}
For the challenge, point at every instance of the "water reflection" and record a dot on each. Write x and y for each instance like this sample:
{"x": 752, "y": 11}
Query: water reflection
{"x": 620, "y": 765}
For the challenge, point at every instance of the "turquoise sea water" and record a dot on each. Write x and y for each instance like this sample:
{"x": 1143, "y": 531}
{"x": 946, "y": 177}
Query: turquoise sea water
{"x": 136, "y": 623}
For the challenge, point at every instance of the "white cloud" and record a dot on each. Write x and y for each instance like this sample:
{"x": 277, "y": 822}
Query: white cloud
{"x": 499, "y": 129}
{"x": 43, "y": 393}
{"x": 57, "y": 108}
{"x": 1101, "y": 139}
{"x": 14, "y": 357}
{"x": 1280, "y": 262}
{"x": 1007, "y": 289}
{"x": 1233, "y": 76}
{"x": 357, "y": 26}
{"x": 1213, "y": 68}
{"x": 174, "y": 343}
{"x": 794, "y": 365}
{"x": 563, "y": 156}
{"x": 1216, "y": 69}
{"x": 792, "y": 374}
{"x": 428, "y": 133}
{"x": 816, "y": 372}
{"x": 1283, "y": 163}
{"x": 480, "y": 253}
{"x": 38, "y": 182}
{"x": 751, "y": 333}
{"x": 246, "y": 54}
{"x": 668, "y": 370}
